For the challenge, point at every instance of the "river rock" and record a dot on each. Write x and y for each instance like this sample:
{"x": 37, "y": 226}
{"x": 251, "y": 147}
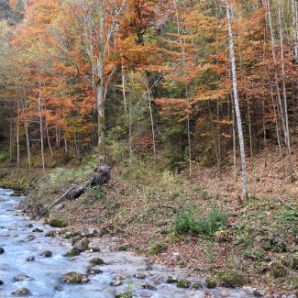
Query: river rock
{"x": 96, "y": 261}
{"x": 210, "y": 283}
{"x": 22, "y": 277}
{"x": 73, "y": 252}
{"x": 139, "y": 275}
{"x": 171, "y": 279}
{"x": 183, "y": 283}
{"x": 21, "y": 292}
{"x": 30, "y": 238}
{"x": 74, "y": 278}
{"x": 58, "y": 222}
{"x": 124, "y": 295}
{"x": 71, "y": 234}
{"x": 52, "y": 233}
{"x": 2, "y": 251}
{"x": 197, "y": 285}
{"x": 37, "y": 230}
{"x": 30, "y": 259}
{"x": 82, "y": 244}
{"x": 47, "y": 254}
{"x": 93, "y": 271}
{"x": 148, "y": 286}
{"x": 116, "y": 282}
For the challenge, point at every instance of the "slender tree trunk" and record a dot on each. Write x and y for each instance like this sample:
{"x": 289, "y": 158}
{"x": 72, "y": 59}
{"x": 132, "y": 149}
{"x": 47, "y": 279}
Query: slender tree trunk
{"x": 151, "y": 120}
{"x": 236, "y": 99}
{"x": 278, "y": 92}
{"x": 41, "y": 130}
{"x": 65, "y": 145}
{"x": 295, "y": 28}
{"x": 18, "y": 135}
{"x": 285, "y": 100}
{"x": 100, "y": 87}
{"x": 10, "y": 138}
{"x": 234, "y": 139}
{"x": 189, "y": 147}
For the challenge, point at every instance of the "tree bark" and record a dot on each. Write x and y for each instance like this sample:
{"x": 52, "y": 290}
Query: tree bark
{"x": 41, "y": 130}
{"x": 236, "y": 99}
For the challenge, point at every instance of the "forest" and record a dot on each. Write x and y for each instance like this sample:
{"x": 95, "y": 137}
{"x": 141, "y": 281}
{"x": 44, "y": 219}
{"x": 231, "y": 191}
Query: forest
{"x": 194, "y": 105}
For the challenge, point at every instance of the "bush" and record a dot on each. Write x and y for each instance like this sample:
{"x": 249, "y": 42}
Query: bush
{"x": 97, "y": 192}
{"x": 186, "y": 223}
{"x": 4, "y": 155}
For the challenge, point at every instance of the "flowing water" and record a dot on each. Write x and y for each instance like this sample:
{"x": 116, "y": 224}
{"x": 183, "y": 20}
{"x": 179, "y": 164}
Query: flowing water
{"x": 42, "y": 276}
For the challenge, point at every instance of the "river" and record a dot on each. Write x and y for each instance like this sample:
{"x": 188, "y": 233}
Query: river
{"x": 24, "y": 265}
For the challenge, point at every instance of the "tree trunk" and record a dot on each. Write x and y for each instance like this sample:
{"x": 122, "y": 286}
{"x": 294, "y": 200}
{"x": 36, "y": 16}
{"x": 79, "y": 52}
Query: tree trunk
{"x": 236, "y": 99}
{"x": 10, "y": 138}
{"x": 41, "y": 130}
{"x": 100, "y": 87}
{"x": 285, "y": 101}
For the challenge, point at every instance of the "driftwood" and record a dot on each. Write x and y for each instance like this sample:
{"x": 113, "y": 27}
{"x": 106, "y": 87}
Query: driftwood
{"x": 101, "y": 176}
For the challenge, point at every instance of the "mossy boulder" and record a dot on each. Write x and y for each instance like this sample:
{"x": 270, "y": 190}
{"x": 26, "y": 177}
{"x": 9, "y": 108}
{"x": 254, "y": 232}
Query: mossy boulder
{"x": 197, "y": 285}
{"x": 73, "y": 252}
{"x": 58, "y": 222}
{"x": 74, "y": 278}
{"x": 171, "y": 280}
{"x": 232, "y": 279}
{"x": 210, "y": 283}
{"x": 82, "y": 244}
{"x": 183, "y": 283}
{"x": 97, "y": 261}
{"x": 21, "y": 292}
{"x": 93, "y": 271}
{"x": 51, "y": 233}
{"x": 124, "y": 295}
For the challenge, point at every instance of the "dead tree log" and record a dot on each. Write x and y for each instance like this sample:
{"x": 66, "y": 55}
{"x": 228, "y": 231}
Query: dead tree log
{"x": 101, "y": 175}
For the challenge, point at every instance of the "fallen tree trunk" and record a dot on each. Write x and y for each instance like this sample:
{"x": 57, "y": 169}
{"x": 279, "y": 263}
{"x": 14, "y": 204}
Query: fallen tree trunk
{"x": 100, "y": 176}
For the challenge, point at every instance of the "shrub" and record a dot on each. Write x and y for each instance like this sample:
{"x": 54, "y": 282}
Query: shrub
{"x": 186, "y": 223}
{"x": 97, "y": 192}
{"x": 4, "y": 155}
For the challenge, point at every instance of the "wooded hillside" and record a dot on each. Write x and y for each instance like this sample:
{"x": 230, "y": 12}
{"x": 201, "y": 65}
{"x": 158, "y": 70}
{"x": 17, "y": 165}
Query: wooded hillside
{"x": 181, "y": 82}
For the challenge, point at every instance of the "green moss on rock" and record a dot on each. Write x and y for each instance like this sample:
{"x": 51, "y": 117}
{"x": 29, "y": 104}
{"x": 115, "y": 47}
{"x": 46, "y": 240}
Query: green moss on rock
{"x": 74, "y": 278}
{"x": 97, "y": 261}
{"x": 232, "y": 279}
{"x": 210, "y": 283}
{"x": 183, "y": 283}
{"x": 58, "y": 222}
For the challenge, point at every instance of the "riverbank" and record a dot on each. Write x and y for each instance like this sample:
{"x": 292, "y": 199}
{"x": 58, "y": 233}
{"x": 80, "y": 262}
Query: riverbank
{"x": 199, "y": 225}
{"x": 42, "y": 261}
